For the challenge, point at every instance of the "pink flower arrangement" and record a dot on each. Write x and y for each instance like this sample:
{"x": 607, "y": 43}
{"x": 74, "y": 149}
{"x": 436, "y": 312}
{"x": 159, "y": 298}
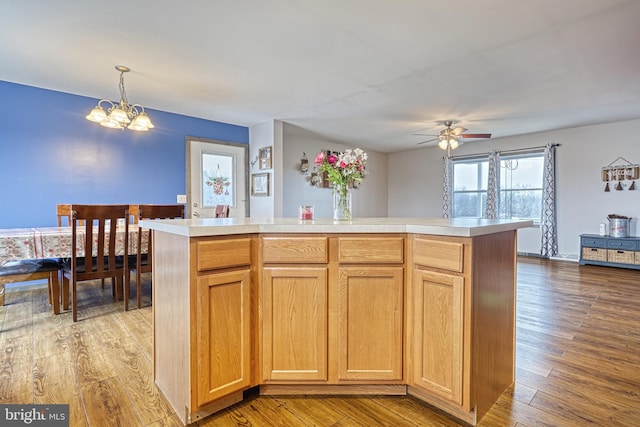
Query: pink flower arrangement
{"x": 346, "y": 169}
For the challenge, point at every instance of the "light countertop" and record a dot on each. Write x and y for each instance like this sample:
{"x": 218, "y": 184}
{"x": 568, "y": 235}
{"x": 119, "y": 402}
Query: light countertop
{"x": 461, "y": 227}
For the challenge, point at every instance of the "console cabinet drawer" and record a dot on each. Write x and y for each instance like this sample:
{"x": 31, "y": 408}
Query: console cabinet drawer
{"x": 629, "y": 245}
{"x": 622, "y": 257}
{"x": 594, "y": 254}
{"x": 594, "y": 242}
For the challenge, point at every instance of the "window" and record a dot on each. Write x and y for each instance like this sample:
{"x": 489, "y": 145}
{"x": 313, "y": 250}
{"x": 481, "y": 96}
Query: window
{"x": 470, "y": 180}
{"x": 520, "y": 187}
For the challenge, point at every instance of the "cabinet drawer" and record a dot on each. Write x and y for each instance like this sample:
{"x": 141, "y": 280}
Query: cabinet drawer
{"x": 294, "y": 250}
{"x": 623, "y": 257}
{"x": 443, "y": 255}
{"x": 594, "y": 254}
{"x": 593, "y": 242}
{"x": 371, "y": 250}
{"x": 621, "y": 244}
{"x": 223, "y": 253}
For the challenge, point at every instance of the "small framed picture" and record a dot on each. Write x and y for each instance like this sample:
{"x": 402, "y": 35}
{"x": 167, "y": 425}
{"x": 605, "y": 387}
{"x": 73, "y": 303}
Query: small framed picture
{"x": 260, "y": 184}
{"x": 264, "y": 158}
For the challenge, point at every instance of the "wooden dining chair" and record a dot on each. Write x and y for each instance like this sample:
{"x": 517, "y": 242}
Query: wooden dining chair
{"x": 222, "y": 211}
{"x": 33, "y": 269}
{"x": 37, "y": 269}
{"x": 64, "y": 214}
{"x": 98, "y": 238}
{"x": 142, "y": 262}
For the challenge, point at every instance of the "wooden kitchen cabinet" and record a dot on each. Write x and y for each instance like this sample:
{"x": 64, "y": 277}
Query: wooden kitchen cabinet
{"x": 462, "y": 321}
{"x": 203, "y": 336}
{"x": 223, "y": 337}
{"x": 370, "y": 323}
{"x": 294, "y": 324}
{"x": 322, "y": 312}
{"x": 370, "y": 308}
{"x": 361, "y": 281}
{"x": 438, "y": 320}
{"x": 294, "y": 295}
{"x": 439, "y": 334}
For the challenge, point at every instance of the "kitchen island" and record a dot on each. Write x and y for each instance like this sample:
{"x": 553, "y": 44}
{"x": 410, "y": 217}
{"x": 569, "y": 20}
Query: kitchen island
{"x": 420, "y": 306}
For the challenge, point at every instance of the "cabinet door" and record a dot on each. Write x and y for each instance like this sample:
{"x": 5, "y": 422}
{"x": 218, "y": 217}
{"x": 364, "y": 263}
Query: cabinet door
{"x": 295, "y": 316}
{"x": 223, "y": 349}
{"x": 438, "y": 327}
{"x": 370, "y": 316}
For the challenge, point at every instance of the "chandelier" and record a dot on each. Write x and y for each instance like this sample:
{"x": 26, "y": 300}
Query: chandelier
{"x": 119, "y": 116}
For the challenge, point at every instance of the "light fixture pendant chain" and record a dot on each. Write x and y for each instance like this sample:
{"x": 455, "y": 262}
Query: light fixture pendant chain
{"x": 123, "y": 94}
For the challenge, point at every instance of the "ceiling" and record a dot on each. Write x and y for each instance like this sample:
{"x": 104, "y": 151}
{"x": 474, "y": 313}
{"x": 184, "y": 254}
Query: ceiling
{"x": 370, "y": 73}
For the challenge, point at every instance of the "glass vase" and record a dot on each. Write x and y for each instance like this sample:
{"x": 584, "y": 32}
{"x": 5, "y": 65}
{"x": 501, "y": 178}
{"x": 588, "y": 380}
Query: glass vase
{"x": 341, "y": 203}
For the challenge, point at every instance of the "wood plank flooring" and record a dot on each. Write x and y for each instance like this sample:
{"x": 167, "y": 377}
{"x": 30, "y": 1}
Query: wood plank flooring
{"x": 578, "y": 358}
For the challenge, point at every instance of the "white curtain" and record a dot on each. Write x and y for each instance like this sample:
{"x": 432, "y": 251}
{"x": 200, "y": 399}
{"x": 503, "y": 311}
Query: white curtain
{"x": 447, "y": 188}
{"x": 492, "y": 209}
{"x": 548, "y": 223}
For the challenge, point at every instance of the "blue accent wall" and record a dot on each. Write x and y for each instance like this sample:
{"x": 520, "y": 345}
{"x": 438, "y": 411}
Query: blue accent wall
{"x": 50, "y": 154}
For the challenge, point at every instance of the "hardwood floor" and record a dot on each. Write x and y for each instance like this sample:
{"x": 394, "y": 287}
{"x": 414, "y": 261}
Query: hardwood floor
{"x": 578, "y": 353}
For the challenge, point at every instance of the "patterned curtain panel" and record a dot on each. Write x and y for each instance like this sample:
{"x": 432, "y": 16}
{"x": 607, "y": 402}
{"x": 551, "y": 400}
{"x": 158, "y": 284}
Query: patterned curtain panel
{"x": 492, "y": 209}
{"x": 447, "y": 188}
{"x": 548, "y": 223}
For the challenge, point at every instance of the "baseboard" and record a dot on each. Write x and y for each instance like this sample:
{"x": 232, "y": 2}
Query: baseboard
{"x": 559, "y": 257}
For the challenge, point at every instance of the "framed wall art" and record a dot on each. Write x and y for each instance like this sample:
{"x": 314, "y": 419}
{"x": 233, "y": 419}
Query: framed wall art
{"x": 264, "y": 158}
{"x": 260, "y": 184}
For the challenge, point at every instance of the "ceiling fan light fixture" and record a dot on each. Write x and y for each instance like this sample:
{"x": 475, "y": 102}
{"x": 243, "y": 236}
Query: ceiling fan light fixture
{"x": 118, "y": 116}
{"x": 453, "y": 143}
{"x": 442, "y": 144}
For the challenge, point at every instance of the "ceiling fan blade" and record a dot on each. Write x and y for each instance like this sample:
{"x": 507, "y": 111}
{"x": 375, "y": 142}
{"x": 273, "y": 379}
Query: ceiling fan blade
{"x": 475, "y": 135}
{"x": 458, "y": 131}
{"x": 428, "y": 140}
{"x": 424, "y": 134}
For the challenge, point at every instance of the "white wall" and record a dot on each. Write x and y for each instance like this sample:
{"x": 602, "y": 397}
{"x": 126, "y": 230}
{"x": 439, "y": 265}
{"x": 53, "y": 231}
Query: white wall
{"x": 268, "y": 134}
{"x": 370, "y": 200}
{"x": 415, "y": 180}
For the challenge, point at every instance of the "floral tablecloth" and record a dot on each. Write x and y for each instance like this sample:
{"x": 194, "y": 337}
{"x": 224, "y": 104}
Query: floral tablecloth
{"x": 55, "y": 242}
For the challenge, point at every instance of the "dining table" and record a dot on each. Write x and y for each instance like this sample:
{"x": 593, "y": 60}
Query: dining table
{"x": 18, "y": 244}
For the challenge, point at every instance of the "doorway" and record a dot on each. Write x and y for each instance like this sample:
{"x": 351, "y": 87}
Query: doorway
{"x": 216, "y": 175}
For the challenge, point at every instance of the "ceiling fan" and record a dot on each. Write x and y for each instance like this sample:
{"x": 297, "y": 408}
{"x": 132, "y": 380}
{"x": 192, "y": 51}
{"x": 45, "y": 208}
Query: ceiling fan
{"x": 449, "y": 139}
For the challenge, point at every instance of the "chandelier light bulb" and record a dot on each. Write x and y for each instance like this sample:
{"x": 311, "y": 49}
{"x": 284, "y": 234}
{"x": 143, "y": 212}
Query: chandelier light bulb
{"x": 97, "y": 115}
{"x": 119, "y": 115}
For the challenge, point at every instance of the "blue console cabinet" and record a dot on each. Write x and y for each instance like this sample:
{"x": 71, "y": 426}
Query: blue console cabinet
{"x": 610, "y": 251}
